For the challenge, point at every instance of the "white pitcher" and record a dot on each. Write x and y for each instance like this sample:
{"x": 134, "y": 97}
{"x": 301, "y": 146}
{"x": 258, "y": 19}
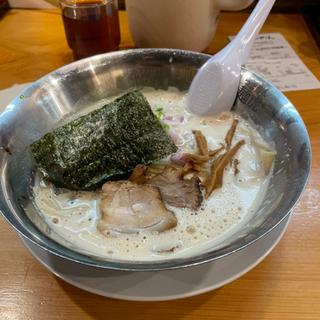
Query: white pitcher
{"x": 181, "y": 24}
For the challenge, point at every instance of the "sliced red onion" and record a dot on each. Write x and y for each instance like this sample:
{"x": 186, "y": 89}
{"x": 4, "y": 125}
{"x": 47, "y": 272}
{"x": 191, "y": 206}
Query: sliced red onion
{"x": 175, "y": 137}
{"x": 173, "y": 120}
{"x": 178, "y": 158}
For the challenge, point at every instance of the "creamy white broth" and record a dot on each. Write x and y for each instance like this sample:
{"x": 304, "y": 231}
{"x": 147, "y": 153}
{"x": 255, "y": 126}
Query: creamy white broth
{"x": 74, "y": 215}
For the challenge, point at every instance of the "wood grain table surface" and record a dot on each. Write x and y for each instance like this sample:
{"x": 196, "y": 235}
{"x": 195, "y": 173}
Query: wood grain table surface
{"x": 286, "y": 285}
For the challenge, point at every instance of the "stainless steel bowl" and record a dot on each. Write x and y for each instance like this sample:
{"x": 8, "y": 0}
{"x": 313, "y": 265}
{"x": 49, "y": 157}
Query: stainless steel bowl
{"x": 81, "y": 84}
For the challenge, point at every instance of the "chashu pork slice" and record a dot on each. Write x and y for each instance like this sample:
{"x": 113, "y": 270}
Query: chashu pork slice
{"x": 178, "y": 192}
{"x": 127, "y": 207}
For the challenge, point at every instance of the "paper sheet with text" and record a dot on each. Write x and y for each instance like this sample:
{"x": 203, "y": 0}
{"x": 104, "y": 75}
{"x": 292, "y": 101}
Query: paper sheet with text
{"x": 274, "y": 59}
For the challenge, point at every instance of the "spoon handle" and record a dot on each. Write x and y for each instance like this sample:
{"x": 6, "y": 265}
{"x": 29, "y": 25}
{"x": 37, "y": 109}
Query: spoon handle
{"x": 214, "y": 87}
{"x": 251, "y": 28}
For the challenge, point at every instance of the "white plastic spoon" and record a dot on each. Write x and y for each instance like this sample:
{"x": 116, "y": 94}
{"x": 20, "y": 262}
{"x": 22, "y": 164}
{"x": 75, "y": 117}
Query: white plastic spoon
{"x": 214, "y": 87}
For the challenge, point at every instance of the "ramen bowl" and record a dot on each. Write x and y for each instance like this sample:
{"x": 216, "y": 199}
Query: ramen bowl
{"x": 79, "y": 85}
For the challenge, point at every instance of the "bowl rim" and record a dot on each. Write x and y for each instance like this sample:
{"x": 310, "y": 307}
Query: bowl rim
{"x": 58, "y": 249}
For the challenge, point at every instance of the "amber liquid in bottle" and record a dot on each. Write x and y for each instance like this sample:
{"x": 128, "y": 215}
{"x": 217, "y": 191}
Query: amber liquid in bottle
{"x": 91, "y": 27}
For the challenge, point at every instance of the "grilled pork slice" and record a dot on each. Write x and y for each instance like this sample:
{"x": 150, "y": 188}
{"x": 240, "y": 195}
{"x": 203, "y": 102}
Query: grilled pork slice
{"x": 178, "y": 192}
{"x": 127, "y": 207}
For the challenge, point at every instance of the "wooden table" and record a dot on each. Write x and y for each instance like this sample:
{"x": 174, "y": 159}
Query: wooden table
{"x": 286, "y": 285}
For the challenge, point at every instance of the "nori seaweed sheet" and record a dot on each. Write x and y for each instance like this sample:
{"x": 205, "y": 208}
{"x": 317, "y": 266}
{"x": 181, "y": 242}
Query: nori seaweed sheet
{"x": 104, "y": 144}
